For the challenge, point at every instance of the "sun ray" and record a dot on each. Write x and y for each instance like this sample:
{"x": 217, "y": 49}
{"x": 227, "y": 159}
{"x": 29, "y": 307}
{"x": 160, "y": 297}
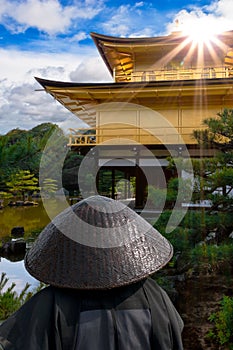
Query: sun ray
{"x": 172, "y": 54}
{"x": 206, "y": 37}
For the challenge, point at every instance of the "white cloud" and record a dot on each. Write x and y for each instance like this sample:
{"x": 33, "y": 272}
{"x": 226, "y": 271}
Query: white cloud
{"x": 19, "y": 66}
{"x": 3, "y": 8}
{"x": 138, "y": 20}
{"x": 217, "y": 17}
{"x": 222, "y": 8}
{"x": 15, "y": 64}
{"x": 139, "y": 4}
{"x": 223, "y": 14}
{"x": 47, "y": 16}
{"x": 21, "y": 105}
{"x": 79, "y": 37}
{"x": 91, "y": 70}
{"x": 86, "y": 11}
{"x": 119, "y": 22}
{"x": 145, "y": 32}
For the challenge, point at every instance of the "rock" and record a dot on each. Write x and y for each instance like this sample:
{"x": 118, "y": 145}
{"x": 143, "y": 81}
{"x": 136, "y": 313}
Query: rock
{"x": 29, "y": 203}
{"x": 12, "y": 204}
{"x": 19, "y": 203}
{"x": 210, "y": 237}
{"x": 17, "y": 231}
{"x": 17, "y": 246}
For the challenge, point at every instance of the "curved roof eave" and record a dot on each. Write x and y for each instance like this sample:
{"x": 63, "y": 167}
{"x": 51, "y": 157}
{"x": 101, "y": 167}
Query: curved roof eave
{"x": 136, "y": 40}
{"x": 99, "y": 39}
{"x": 82, "y": 98}
{"x": 132, "y": 85}
{"x": 173, "y": 37}
{"x": 112, "y": 48}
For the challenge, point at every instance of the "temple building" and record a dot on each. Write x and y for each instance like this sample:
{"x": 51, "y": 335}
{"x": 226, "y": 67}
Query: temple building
{"x": 163, "y": 88}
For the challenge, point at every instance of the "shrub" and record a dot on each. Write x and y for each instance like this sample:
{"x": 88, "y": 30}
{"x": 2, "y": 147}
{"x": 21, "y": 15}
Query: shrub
{"x": 10, "y": 301}
{"x": 222, "y": 332}
{"x": 211, "y": 253}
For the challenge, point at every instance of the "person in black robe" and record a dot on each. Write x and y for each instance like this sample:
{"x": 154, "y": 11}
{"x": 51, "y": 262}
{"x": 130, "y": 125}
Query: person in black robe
{"x": 96, "y": 258}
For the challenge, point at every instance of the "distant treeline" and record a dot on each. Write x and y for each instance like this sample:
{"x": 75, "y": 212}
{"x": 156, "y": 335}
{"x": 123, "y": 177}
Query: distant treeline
{"x": 23, "y": 149}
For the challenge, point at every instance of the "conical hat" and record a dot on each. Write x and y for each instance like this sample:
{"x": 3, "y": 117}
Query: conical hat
{"x": 98, "y": 243}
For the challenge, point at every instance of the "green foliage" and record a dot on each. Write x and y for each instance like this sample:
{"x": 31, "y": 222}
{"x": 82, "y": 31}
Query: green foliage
{"x": 195, "y": 227}
{"x": 5, "y": 195}
{"x": 214, "y": 177}
{"x": 49, "y": 186}
{"x": 156, "y": 196}
{"x": 183, "y": 185}
{"x": 200, "y": 223}
{"x": 125, "y": 188}
{"x": 105, "y": 181}
{"x": 10, "y": 301}
{"x": 39, "y": 150}
{"x": 222, "y": 332}
{"x": 22, "y": 182}
{"x": 212, "y": 254}
{"x": 219, "y": 131}
{"x": 181, "y": 237}
{"x": 161, "y": 197}
{"x": 53, "y": 157}
{"x": 72, "y": 160}
{"x": 22, "y": 150}
{"x": 178, "y": 164}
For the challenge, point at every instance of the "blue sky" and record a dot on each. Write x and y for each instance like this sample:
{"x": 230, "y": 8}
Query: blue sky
{"x": 50, "y": 39}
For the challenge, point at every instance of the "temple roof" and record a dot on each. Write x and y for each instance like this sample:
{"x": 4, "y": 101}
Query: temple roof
{"x": 174, "y": 86}
{"x": 82, "y": 98}
{"x": 124, "y": 55}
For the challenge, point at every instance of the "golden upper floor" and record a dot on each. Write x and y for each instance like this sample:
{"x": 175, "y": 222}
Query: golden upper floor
{"x": 166, "y": 58}
{"x": 185, "y": 82}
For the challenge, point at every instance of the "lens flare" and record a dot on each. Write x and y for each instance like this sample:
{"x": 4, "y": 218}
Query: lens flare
{"x": 200, "y": 31}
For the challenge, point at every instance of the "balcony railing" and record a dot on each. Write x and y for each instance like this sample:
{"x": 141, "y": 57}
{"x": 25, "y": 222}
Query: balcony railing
{"x": 179, "y": 74}
{"x": 119, "y": 135}
{"x": 82, "y": 137}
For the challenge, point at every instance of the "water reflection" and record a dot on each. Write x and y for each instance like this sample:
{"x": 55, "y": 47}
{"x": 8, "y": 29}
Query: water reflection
{"x": 16, "y": 272}
{"x": 32, "y": 218}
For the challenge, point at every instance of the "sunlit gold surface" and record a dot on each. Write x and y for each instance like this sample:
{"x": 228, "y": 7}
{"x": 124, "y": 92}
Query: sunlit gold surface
{"x": 184, "y": 80}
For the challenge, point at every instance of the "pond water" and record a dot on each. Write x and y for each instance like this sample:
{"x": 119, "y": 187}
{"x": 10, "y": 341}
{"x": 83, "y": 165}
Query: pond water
{"x": 16, "y": 273}
{"x": 32, "y": 218}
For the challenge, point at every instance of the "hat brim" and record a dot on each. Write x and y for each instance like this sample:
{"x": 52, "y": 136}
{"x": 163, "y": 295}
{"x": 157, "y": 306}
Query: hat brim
{"x": 59, "y": 260}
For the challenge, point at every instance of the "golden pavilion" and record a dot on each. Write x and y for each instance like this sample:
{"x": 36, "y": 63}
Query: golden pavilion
{"x": 162, "y": 89}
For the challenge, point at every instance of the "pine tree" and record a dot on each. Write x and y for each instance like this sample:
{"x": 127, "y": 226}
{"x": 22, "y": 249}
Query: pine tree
{"x": 22, "y": 182}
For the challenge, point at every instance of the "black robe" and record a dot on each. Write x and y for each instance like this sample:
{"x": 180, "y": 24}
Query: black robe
{"x": 139, "y": 317}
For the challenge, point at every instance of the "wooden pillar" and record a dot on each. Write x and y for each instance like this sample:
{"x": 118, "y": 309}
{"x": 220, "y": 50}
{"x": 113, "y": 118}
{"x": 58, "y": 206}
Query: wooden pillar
{"x": 113, "y": 183}
{"x": 141, "y": 185}
{"x": 97, "y": 181}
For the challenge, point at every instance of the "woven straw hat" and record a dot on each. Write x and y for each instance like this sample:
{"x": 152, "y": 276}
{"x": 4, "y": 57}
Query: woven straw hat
{"x": 98, "y": 243}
